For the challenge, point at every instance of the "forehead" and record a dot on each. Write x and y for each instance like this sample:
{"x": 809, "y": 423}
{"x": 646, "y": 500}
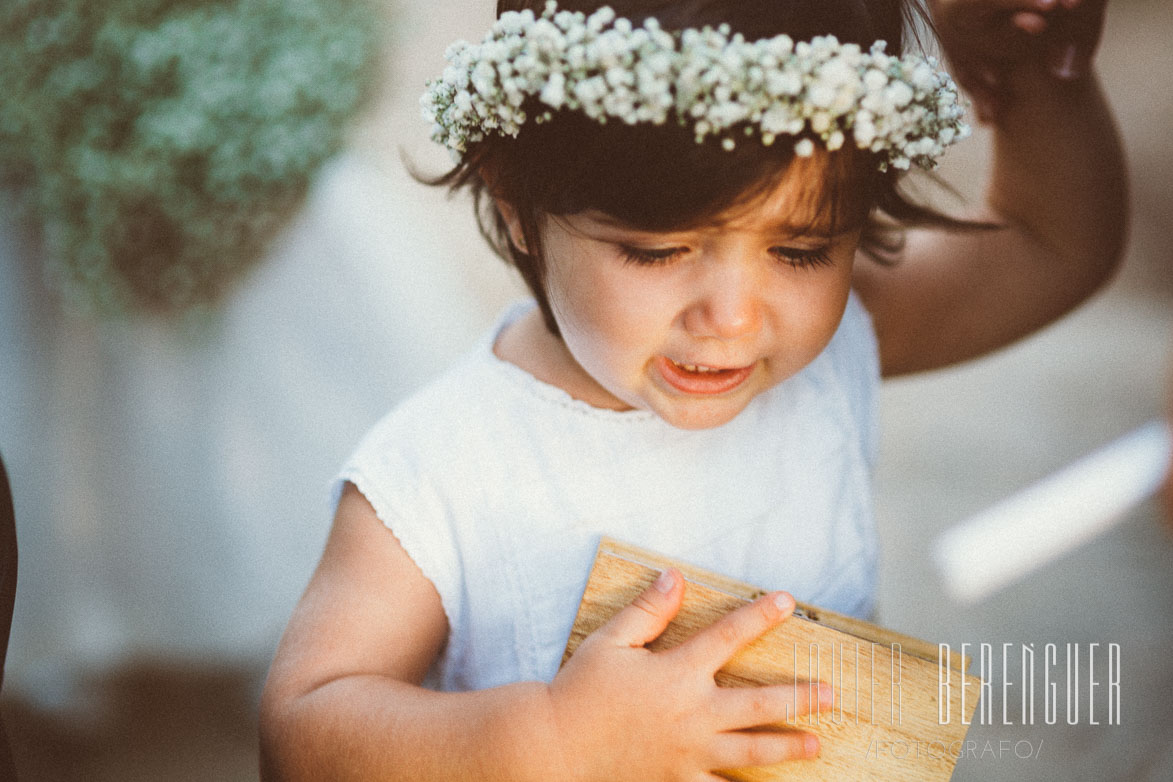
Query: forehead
{"x": 806, "y": 197}
{"x": 813, "y": 196}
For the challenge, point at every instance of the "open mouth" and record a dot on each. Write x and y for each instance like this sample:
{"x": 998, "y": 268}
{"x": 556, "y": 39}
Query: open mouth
{"x": 701, "y": 379}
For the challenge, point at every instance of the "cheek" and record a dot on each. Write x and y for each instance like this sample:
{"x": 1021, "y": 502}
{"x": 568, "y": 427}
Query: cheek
{"x": 827, "y": 309}
{"x": 809, "y": 314}
{"x": 607, "y": 303}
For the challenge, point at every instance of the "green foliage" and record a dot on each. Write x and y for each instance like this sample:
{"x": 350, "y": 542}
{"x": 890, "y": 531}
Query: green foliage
{"x": 160, "y": 144}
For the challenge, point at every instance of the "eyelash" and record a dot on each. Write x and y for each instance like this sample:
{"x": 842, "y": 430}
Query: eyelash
{"x": 639, "y": 257}
{"x": 798, "y": 259}
{"x": 803, "y": 259}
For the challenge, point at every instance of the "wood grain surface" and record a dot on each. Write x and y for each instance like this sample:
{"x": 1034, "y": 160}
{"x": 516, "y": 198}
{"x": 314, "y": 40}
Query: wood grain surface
{"x": 886, "y": 723}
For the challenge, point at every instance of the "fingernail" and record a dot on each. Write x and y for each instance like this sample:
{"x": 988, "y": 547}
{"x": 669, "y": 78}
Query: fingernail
{"x": 826, "y": 695}
{"x": 784, "y": 601}
{"x": 1031, "y": 24}
{"x": 1064, "y": 67}
{"x": 664, "y": 582}
{"x": 811, "y": 746}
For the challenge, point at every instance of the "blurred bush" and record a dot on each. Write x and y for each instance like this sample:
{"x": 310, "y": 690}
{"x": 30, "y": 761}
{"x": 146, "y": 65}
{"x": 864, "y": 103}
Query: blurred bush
{"x": 158, "y": 145}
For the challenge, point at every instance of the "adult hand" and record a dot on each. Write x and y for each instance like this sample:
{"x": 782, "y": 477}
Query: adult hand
{"x": 986, "y": 40}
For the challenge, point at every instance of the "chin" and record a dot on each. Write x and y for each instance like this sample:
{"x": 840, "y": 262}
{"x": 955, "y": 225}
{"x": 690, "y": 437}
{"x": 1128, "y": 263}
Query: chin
{"x": 701, "y": 416}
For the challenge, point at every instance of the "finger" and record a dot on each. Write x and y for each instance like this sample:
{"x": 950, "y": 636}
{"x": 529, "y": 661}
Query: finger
{"x": 1073, "y": 37}
{"x": 746, "y": 749}
{"x": 712, "y": 647}
{"x": 1029, "y": 22}
{"x": 646, "y": 617}
{"x": 1009, "y": 6}
{"x": 753, "y": 707}
{"x": 1064, "y": 61}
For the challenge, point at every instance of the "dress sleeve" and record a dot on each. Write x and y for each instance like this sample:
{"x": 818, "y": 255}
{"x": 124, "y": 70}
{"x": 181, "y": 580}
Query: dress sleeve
{"x": 384, "y": 472}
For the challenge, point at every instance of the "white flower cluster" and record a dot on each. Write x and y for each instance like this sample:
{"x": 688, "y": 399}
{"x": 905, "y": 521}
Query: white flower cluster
{"x": 906, "y": 110}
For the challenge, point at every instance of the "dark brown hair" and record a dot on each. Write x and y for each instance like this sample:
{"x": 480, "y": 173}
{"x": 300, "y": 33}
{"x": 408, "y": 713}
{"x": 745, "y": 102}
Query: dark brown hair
{"x": 657, "y": 177}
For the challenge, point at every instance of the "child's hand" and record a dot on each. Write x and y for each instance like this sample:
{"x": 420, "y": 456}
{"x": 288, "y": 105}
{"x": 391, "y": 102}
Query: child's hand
{"x": 985, "y": 39}
{"x": 623, "y": 712}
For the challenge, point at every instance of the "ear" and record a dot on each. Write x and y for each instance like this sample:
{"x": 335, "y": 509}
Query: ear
{"x": 509, "y": 214}
{"x": 507, "y": 211}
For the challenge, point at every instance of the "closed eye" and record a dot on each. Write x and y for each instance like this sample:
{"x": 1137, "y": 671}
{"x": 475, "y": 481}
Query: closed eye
{"x": 798, "y": 258}
{"x": 650, "y": 257}
{"x": 803, "y": 258}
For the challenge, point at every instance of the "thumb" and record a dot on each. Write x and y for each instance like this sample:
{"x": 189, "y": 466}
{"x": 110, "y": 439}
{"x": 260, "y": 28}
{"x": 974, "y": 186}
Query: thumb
{"x": 1075, "y": 37}
{"x": 646, "y": 617}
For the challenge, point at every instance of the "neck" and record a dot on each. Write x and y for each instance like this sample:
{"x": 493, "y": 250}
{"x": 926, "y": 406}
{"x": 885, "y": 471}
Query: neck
{"x": 529, "y": 345}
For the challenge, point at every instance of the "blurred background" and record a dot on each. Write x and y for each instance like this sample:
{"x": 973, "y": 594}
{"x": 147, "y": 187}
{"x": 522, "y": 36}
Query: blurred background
{"x": 170, "y": 473}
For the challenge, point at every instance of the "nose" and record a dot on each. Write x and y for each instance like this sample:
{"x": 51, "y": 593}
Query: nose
{"x": 728, "y": 304}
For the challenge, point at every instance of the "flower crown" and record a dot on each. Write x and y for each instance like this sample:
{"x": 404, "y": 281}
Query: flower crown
{"x": 905, "y": 110}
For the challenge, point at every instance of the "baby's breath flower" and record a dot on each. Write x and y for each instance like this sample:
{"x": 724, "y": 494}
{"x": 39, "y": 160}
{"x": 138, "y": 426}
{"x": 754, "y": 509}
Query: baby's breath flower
{"x": 223, "y": 114}
{"x": 554, "y": 93}
{"x": 905, "y": 110}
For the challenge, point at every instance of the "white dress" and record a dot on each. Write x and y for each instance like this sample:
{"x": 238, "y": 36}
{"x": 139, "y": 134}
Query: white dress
{"x": 499, "y": 487}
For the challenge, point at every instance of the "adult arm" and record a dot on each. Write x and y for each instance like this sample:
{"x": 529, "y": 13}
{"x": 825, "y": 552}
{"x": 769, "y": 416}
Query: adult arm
{"x": 1058, "y": 189}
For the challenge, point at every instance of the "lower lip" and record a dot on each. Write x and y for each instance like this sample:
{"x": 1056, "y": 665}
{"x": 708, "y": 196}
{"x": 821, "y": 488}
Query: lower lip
{"x": 702, "y": 383}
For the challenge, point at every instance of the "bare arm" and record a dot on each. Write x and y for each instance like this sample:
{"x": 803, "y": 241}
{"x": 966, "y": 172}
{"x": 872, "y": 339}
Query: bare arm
{"x": 343, "y": 699}
{"x": 1059, "y": 188}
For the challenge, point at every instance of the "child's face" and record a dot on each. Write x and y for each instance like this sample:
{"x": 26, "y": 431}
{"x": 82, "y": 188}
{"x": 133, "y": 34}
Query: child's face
{"x": 693, "y": 324}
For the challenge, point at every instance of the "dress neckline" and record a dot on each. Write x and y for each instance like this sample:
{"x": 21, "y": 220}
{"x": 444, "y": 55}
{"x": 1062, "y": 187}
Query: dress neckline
{"x": 540, "y": 389}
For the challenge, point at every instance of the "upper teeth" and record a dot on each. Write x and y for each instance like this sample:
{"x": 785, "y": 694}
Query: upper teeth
{"x": 695, "y": 368}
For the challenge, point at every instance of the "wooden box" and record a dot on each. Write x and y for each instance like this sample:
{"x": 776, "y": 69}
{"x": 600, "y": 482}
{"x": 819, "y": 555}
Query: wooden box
{"x": 889, "y": 721}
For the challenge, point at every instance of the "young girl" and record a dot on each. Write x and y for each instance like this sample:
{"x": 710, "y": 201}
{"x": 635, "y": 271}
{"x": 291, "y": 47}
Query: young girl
{"x": 722, "y": 265}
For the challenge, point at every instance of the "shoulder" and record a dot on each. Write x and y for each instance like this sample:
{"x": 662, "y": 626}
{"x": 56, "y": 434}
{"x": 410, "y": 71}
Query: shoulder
{"x": 854, "y": 350}
{"x": 851, "y": 374}
{"x": 841, "y": 384}
{"x": 454, "y": 428}
{"x": 449, "y": 408}
{"x": 417, "y": 467}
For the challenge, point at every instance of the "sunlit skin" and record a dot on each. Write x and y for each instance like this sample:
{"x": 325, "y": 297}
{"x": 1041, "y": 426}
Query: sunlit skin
{"x": 757, "y": 293}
